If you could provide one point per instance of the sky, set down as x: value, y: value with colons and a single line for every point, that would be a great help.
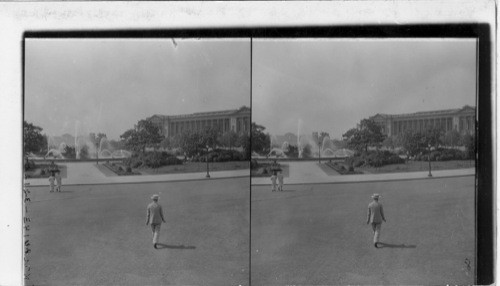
x: 78, y: 86
x: 331, y: 84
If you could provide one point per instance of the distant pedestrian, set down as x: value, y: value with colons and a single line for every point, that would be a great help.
x: 155, y: 218
x: 375, y: 217
x: 52, y: 167
x: 59, y: 181
x: 280, y: 181
x: 51, y: 181
x: 273, y: 181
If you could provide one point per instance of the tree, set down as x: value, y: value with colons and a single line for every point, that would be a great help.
x: 208, y: 138
x: 229, y: 139
x: 69, y: 152
x: 339, y: 143
x: 431, y: 138
x: 366, y: 134
x: 469, y: 142
x: 412, y: 142
x: 167, y: 143
x: 149, y: 134
x: 145, y: 134
x: 96, y: 140
x: 292, y: 152
x: 452, y: 138
x: 190, y: 142
x: 84, y: 152
x: 116, y: 145
x: 306, y: 151
x: 34, y: 141
x: 130, y: 140
x: 390, y: 142
x: 244, y: 141
x: 260, y: 140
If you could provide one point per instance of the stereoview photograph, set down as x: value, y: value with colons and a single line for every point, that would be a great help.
x: 363, y: 161
x: 136, y: 161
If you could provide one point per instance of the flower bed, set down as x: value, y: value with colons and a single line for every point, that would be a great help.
x: 121, y: 170
x: 342, y: 168
x: 220, y: 155
x: 374, y: 159
x: 151, y: 160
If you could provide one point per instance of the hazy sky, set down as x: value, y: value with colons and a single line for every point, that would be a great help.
x: 330, y: 85
x: 108, y: 85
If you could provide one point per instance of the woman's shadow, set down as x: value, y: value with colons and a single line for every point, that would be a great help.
x: 163, y: 246
x: 389, y: 245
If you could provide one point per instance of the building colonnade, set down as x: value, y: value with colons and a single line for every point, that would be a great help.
x: 460, y: 124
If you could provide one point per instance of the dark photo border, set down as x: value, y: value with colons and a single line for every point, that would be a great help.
x: 484, y: 195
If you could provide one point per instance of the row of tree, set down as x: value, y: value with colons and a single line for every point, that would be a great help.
x: 147, y: 135
x: 144, y: 135
x: 369, y: 134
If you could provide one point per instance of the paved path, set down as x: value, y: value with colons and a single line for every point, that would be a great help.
x: 308, y: 172
x: 86, y: 173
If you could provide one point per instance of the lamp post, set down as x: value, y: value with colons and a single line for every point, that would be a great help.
x: 97, y: 152
x: 429, y: 159
x: 319, y: 149
x: 206, y: 159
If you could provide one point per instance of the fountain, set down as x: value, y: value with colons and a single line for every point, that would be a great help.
x: 121, y: 154
x: 327, y: 147
x: 105, y: 154
x: 56, y: 153
x: 81, y: 140
x: 342, y: 153
x: 285, y: 146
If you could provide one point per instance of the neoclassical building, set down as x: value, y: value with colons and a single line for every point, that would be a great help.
x: 237, y: 120
x: 460, y: 119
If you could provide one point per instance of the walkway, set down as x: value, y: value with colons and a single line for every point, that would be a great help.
x: 308, y: 172
x: 86, y: 173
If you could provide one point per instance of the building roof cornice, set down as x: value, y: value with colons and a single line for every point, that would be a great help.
x: 466, y: 108
x: 229, y: 112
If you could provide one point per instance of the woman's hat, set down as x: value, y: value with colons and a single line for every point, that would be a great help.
x: 375, y: 196
x: 155, y: 197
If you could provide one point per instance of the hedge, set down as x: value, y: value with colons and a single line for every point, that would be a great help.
x: 443, y: 155
x: 151, y: 160
x: 220, y: 156
x: 374, y: 159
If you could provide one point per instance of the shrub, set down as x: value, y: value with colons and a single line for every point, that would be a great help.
x: 374, y: 159
x: 152, y: 160
x: 254, y: 164
x: 220, y: 155
x: 29, y: 164
x: 442, y: 155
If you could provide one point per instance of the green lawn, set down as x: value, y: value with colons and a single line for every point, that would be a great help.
x: 97, y: 234
x: 416, y: 166
x: 195, y: 167
x: 317, y: 234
